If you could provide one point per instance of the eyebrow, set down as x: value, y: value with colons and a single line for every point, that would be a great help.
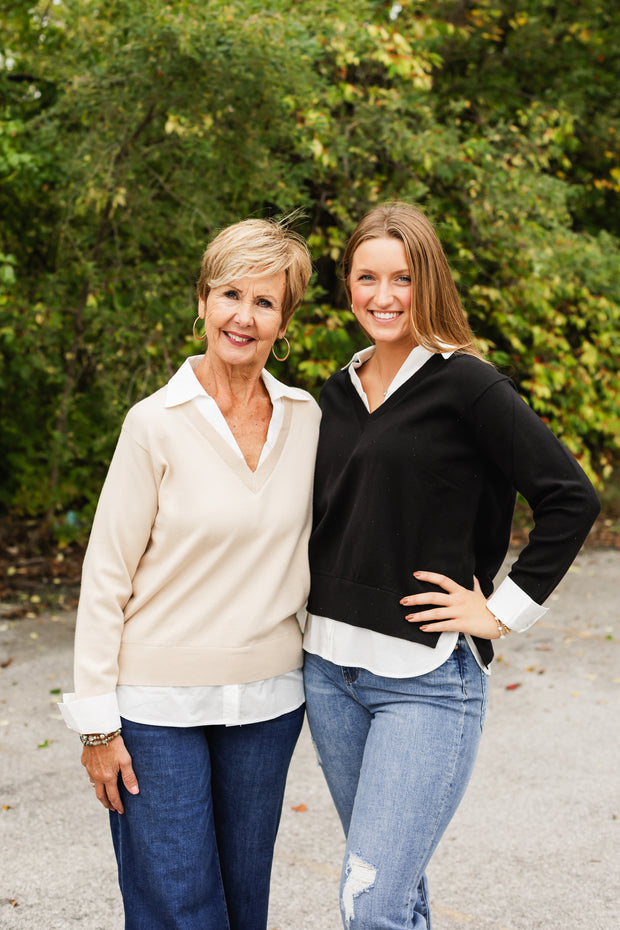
x: 235, y: 287
x: 363, y: 270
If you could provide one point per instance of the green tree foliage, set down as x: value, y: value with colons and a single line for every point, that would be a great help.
x: 131, y: 131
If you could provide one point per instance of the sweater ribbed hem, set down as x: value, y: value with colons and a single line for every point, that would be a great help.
x: 364, y: 606
x: 189, y: 666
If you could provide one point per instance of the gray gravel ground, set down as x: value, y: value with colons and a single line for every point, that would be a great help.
x: 534, y: 845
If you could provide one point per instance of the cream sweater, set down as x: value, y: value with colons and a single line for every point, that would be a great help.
x: 196, y: 565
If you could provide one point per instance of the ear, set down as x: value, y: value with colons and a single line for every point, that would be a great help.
x: 282, y: 330
x: 202, y: 308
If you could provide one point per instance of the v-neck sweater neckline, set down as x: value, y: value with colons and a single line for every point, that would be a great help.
x: 254, y: 480
x: 363, y: 414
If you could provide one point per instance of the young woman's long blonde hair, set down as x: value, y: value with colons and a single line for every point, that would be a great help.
x: 438, y: 320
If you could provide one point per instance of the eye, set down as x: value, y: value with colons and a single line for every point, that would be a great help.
x: 231, y: 294
x: 364, y: 277
x: 404, y: 279
x: 265, y: 302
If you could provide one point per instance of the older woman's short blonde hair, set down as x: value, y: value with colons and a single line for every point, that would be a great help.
x: 256, y: 249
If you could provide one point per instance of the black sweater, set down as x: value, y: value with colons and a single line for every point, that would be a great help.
x: 428, y: 482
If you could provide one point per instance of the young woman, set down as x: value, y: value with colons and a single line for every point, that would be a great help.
x: 422, y: 446
x: 188, y: 683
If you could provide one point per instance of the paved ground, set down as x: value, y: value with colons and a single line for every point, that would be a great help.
x: 534, y: 846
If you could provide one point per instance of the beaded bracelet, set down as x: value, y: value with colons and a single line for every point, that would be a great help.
x: 98, y: 739
x: 503, y: 629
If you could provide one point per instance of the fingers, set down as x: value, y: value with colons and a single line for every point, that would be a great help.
x: 444, y: 603
x: 129, y: 777
x: 104, y: 764
x: 461, y: 609
x: 441, y: 613
x: 435, y: 578
x: 445, y: 627
x: 101, y: 795
x: 427, y: 597
x: 110, y: 796
x: 438, y: 598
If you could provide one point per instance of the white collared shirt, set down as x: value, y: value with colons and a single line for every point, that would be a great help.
x: 230, y: 705
x: 383, y: 655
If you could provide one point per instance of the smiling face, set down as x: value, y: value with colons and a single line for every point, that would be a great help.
x: 380, y: 287
x: 243, y: 319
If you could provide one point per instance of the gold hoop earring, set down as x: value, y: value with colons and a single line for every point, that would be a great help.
x: 196, y: 337
x: 288, y: 351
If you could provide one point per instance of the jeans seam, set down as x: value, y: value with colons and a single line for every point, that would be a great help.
x: 455, y: 757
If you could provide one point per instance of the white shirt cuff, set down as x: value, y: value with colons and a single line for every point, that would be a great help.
x: 97, y: 714
x: 514, y: 607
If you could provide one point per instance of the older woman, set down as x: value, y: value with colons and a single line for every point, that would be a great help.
x: 188, y: 685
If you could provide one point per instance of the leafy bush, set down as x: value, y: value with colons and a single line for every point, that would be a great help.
x: 132, y: 131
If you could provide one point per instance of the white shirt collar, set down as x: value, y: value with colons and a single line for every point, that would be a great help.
x: 278, y: 389
x: 185, y: 386
x: 417, y: 356
x: 414, y: 361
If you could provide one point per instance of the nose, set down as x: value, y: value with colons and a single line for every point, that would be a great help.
x: 244, y: 313
x: 383, y: 294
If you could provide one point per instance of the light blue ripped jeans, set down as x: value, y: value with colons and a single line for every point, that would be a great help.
x: 397, y: 754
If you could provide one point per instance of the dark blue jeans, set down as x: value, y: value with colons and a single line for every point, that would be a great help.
x: 195, y: 846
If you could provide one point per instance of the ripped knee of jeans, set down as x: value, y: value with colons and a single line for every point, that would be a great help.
x: 360, y: 877
x: 316, y: 751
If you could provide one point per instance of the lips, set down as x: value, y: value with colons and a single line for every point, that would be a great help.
x: 238, y: 340
x: 385, y: 315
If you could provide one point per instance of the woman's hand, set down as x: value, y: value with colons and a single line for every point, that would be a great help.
x: 458, y: 611
x: 103, y: 764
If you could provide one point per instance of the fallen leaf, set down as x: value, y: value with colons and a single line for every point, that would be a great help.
x: 513, y: 687
x: 7, y: 663
x: 300, y: 808
x: 12, y: 902
x: 6, y: 807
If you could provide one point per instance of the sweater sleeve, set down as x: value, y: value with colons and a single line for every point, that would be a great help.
x: 563, y: 501
x: 120, y: 534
